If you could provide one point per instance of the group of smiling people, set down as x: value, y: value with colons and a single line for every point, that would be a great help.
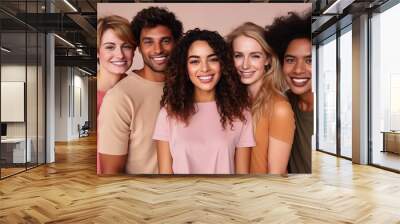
x: 202, y: 103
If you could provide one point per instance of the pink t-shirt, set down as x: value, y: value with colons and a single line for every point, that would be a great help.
x: 203, y: 146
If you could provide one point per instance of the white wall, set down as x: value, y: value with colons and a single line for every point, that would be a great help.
x: 61, y: 103
x: 16, y: 73
x: 71, y: 92
x: 82, y: 83
x: 33, y: 126
x: 80, y: 97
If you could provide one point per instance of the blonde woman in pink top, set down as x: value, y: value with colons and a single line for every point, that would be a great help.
x: 115, y: 51
x: 204, y: 126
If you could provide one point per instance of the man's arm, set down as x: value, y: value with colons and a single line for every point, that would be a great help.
x: 112, y: 164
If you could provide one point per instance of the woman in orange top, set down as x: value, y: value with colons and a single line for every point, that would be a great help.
x: 115, y: 51
x: 273, y: 118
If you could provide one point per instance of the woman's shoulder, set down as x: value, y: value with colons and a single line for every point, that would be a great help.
x: 163, y: 111
x: 166, y: 113
x: 281, y: 106
x: 279, y: 97
x: 278, y: 101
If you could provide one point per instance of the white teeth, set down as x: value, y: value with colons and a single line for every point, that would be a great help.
x: 247, y: 74
x: 118, y: 62
x: 205, y: 78
x: 163, y: 58
x: 298, y: 80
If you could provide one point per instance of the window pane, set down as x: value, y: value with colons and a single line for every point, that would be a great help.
x: 327, y: 96
x: 31, y: 97
x: 14, y: 153
x: 385, y: 86
x: 346, y: 94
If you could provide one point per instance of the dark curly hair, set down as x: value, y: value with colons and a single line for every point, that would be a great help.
x: 284, y: 29
x: 178, y: 98
x: 152, y: 17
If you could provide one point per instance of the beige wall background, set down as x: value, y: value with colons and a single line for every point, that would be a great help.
x: 221, y: 17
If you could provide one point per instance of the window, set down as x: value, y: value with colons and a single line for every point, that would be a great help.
x: 385, y: 89
x: 22, y: 67
x: 327, y: 96
x: 346, y: 92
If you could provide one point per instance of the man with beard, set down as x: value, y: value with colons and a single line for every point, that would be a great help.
x: 129, y: 111
x: 290, y: 36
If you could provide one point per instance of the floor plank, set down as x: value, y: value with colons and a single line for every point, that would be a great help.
x: 69, y: 191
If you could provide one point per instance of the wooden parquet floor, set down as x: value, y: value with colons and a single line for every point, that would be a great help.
x: 69, y: 191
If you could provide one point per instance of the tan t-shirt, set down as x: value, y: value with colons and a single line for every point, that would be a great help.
x: 126, y: 123
x: 279, y: 123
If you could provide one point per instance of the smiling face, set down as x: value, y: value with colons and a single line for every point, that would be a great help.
x: 204, y: 68
x: 250, y: 59
x: 156, y: 44
x: 297, y: 66
x: 115, y: 55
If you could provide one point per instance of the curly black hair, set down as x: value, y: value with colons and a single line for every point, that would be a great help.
x: 284, y: 29
x: 154, y: 16
x: 231, y: 97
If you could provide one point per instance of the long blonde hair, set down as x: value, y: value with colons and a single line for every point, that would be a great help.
x: 273, y: 82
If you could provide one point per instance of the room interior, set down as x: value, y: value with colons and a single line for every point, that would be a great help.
x: 48, y: 84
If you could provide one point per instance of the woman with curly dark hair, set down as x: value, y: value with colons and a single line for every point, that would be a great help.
x: 290, y: 36
x: 204, y: 126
